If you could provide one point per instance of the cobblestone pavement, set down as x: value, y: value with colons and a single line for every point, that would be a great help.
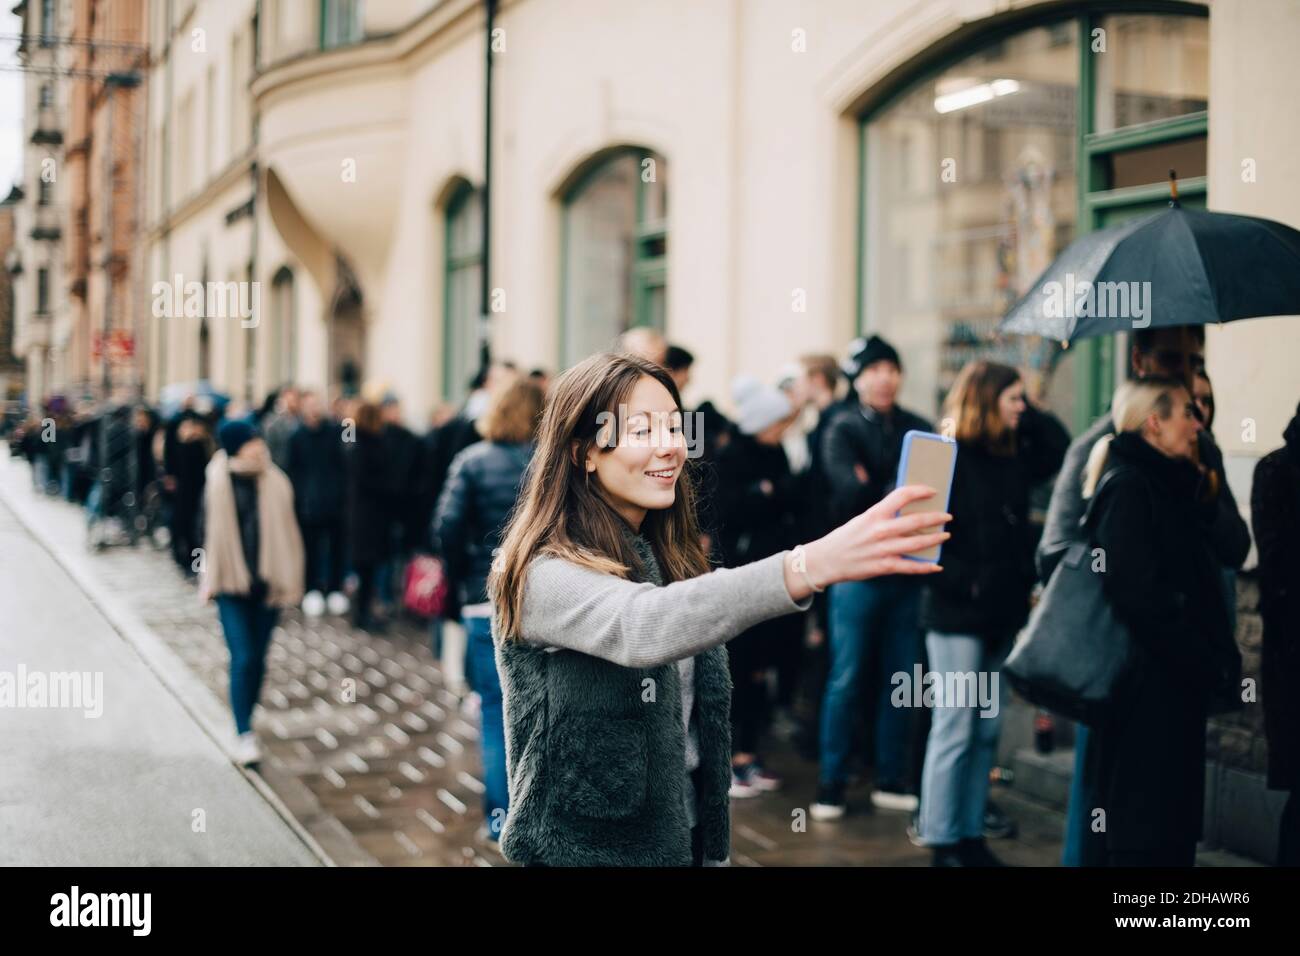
x: 396, y: 764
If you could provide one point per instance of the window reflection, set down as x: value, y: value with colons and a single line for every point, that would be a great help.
x: 971, y: 193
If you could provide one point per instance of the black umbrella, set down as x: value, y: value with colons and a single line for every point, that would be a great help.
x: 1175, y: 267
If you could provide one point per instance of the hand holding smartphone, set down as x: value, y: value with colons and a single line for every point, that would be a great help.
x: 927, y: 459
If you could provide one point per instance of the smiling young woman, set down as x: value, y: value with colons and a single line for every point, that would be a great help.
x: 609, y: 625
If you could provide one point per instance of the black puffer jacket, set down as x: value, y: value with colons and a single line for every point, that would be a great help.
x: 988, y: 563
x: 481, y: 489
x: 1275, y: 512
x: 1163, y: 581
x: 856, y: 434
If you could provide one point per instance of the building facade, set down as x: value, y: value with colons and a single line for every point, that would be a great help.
x: 12, y: 369
x: 40, y: 217
x: 201, y: 209
x: 77, y: 256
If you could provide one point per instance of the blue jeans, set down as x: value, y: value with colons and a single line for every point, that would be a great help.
x: 963, y: 742
x: 481, y: 672
x: 247, y: 625
x: 883, y: 611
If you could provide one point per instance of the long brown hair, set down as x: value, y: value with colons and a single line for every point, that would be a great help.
x: 972, y: 404
x: 561, y: 512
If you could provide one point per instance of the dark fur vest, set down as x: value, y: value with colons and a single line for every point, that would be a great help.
x: 596, y: 755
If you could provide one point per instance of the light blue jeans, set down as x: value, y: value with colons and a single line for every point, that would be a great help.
x: 963, y: 742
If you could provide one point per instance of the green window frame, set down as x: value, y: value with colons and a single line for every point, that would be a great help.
x: 648, y: 271
x: 1097, y: 356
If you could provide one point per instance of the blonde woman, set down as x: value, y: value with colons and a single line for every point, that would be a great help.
x: 608, y: 625
x: 1151, y: 520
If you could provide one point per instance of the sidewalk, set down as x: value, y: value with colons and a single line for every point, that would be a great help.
x: 141, y: 784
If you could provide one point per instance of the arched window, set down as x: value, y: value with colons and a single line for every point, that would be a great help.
x: 976, y: 174
x: 615, y: 245
x: 284, y: 329
x: 462, y: 275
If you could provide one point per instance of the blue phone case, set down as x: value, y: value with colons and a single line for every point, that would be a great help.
x: 902, y: 474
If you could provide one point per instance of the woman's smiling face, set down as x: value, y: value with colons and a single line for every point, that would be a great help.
x: 640, y: 472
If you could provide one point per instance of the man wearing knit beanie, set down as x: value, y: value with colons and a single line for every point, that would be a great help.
x: 860, y: 449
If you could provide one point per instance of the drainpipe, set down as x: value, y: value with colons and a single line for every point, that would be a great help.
x: 165, y: 212
x: 485, y: 283
x: 250, y: 388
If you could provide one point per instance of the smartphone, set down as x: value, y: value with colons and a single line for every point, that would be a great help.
x: 927, y: 459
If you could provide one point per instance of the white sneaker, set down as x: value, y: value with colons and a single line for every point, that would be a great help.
x: 892, y: 800
x: 338, y: 603
x: 741, y: 788
x: 247, y: 750
x: 313, y: 604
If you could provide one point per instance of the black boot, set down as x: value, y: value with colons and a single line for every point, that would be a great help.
x: 948, y: 855
x: 976, y: 853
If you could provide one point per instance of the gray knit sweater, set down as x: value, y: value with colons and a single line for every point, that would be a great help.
x: 641, y: 625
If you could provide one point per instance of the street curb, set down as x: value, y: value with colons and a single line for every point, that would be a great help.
x: 190, y: 692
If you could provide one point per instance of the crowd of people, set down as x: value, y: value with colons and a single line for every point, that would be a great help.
x: 324, y: 505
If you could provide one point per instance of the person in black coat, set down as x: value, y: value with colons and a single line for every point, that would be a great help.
x: 317, y: 467
x: 1275, y: 514
x: 369, y: 541
x: 189, y: 460
x: 973, y: 609
x: 756, y: 503
x: 405, y: 456
x: 477, y: 498
x: 1151, y: 521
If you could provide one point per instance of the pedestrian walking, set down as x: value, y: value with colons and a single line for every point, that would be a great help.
x: 253, y: 562
x: 609, y: 627
x: 861, y: 447
x: 1151, y: 521
x: 972, y: 611
x: 1275, y: 514
x: 481, y: 489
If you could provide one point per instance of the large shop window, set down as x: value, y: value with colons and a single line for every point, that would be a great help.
x: 973, y: 182
x: 462, y: 271
x: 615, y: 252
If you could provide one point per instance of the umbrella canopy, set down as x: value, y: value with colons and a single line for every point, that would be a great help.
x: 1176, y: 267
x: 171, y: 397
